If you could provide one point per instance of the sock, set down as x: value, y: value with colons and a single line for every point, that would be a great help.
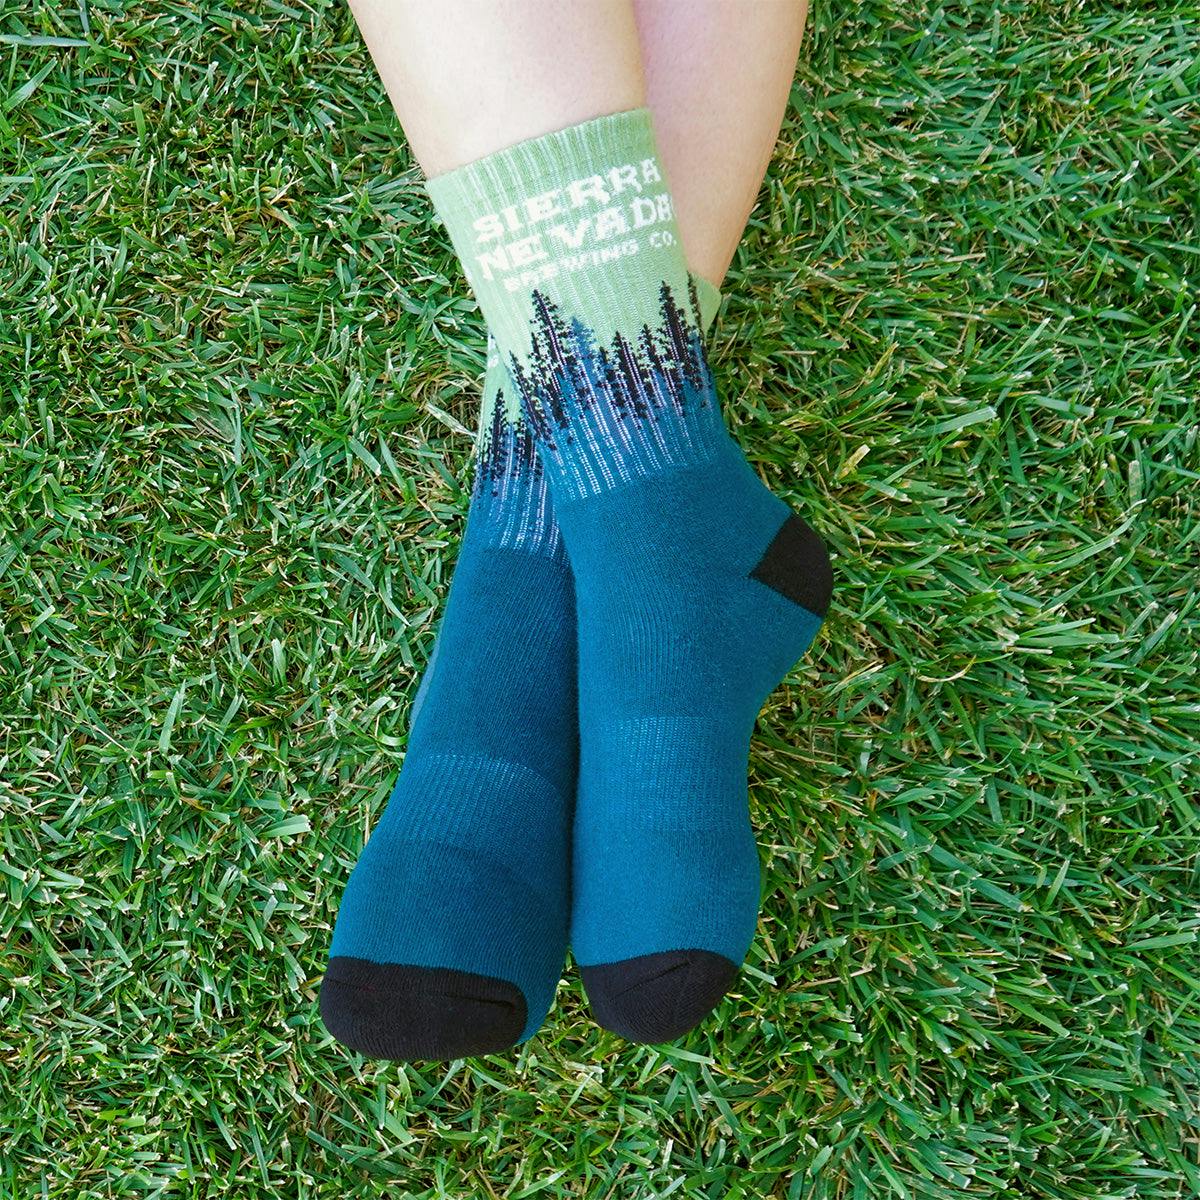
x: 452, y: 930
x: 696, y: 588
x: 374, y: 999
x: 528, y: 510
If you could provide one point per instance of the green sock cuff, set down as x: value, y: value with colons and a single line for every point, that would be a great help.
x: 505, y: 208
x: 549, y: 216
x: 708, y: 299
x: 541, y: 164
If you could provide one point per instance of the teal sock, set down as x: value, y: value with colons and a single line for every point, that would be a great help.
x: 696, y: 588
x: 452, y: 931
x: 523, y: 516
x: 402, y: 987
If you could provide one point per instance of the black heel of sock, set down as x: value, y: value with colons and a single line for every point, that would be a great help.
x: 796, y: 565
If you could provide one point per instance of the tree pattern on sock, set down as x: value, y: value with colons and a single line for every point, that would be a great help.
x: 579, y: 394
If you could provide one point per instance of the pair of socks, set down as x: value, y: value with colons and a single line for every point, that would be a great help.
x: 626, y: 596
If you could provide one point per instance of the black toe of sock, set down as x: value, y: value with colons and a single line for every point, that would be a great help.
x: 658, y: 997
x: 387, y: 1010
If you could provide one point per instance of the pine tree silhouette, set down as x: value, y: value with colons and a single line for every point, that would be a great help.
x: 551, y: 358
x: 568, y: 374
x: 588, y: 379
x: 531, y: 403
x: 525, y: 460
x: 634, y: 384
x: 693, y: 295
x: 607, y: 371
x: 663, y: 372
x: 507, y: 451
x: 675, y: 328
x: 489, y: 466
x: 697, y: 342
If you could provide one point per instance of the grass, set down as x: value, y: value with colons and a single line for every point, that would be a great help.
x: 237, y: 368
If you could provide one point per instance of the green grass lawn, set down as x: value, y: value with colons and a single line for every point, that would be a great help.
x: 238, y: 370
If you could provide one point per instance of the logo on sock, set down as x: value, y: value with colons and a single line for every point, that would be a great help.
x: 592, y: 220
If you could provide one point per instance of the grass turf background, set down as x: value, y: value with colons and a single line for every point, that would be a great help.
x: 237, y: 372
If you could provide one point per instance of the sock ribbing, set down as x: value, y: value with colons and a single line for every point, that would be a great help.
x: 510, y: 502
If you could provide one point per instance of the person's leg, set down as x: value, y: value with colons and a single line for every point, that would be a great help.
x: 450, y: 943
x: 718, y: 75
x: 452, y: 148
x: 452, y: 931
x: 511, y: 564
x: 696, y: 589
x: 469, y: 77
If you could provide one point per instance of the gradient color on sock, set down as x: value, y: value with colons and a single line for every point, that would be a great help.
x: 696, y: 588
x: 509, y: 469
